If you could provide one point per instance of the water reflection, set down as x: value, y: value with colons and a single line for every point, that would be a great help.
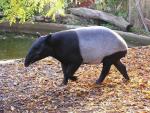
x: 14, y: 46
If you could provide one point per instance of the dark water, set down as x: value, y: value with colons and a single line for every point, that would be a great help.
x: 14, y: 46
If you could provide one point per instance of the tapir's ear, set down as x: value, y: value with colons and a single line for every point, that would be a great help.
x: 48, y: 38
x: 38, y: 34
x: 49, y: 35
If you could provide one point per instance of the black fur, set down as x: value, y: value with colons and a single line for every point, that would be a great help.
x: 69, y: 70
x: 66, y: 47
x: 40, y: 49
x: 113, y: 59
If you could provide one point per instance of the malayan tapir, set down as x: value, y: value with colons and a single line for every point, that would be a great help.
x: 86, y: 45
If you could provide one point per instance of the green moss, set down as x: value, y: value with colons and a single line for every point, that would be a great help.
x: 139, y: 31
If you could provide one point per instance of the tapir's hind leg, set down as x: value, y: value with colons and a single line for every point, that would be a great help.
x: 113, y: 59
x: 69, y: 70
x: 122, y: 69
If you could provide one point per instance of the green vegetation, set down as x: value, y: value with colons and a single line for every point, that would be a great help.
x: 22, y: 10
x: 139, y: 31
x: 117, y: 7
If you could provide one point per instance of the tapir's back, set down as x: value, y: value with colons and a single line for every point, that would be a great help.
x: 97, y: 42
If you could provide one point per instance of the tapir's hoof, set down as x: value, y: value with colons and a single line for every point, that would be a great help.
x: 62, y: 85
x: 65, y: 82
x: 125, y: 80
x: 98, y: 82
x: 73, y: 78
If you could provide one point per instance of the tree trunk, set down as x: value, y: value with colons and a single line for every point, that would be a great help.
x: 147, y: 21
x: 95, y: 14
x: 134, y: 17
x: 141, y: 14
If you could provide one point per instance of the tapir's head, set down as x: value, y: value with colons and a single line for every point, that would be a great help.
x: 40, y: 49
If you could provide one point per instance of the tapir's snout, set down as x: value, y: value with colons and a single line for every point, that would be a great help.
x: 28, y: 60
x: 26, y: 64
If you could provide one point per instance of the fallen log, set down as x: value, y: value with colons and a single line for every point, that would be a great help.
x: 95, y: 14
x: 134, y: 39
x: 28, y: 27
x: 33, y: 28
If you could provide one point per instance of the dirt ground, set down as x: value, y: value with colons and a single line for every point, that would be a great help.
x: 37, y: 89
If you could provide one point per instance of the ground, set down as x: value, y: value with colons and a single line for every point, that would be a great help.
x: 37, y: 89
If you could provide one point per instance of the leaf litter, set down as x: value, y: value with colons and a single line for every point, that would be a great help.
x: 37, y: 89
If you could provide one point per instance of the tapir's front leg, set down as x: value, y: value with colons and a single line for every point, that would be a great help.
x: 68, y: 71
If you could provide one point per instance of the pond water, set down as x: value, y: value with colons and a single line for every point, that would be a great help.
x: 13, y: 46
